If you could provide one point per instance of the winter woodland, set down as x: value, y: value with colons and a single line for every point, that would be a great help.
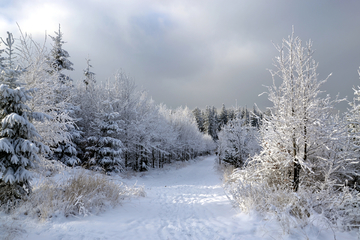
x: 297, y: 161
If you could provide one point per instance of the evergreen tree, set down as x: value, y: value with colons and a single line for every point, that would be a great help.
x: 211, y: 122
x: 55, y: 129
x: 59, y: 59
x: 231, y: 114
x: 19, y: 143
x: 255, y: 118
x: 89, y: 77
x: 104, y: 151
x: 199, y: 119
x: 223, y: 118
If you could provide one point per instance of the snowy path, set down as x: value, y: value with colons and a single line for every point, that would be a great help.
x: 187, y: 203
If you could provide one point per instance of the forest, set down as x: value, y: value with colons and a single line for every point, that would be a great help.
x: 296, y: 160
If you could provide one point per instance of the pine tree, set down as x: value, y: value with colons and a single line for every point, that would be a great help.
x: 59, y: 59
x: 64, y: 151
x: 231, y: 114
x: 19, y: 143
x: 211, y: 122
x: 199, y: 119
x: 55, y: 129
x: 104, y: 151
x: 223, y: 118
x: 89, y: 77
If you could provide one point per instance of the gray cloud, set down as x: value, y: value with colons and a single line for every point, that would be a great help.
x: 196, y: 53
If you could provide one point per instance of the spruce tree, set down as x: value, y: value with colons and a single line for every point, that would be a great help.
x: 223, y: 118
x: 89, y: 77
x: 199, y: 119
x: 59, y: 59
x: 211, y: 122
x: 64, y: 151
x: 104, y: 151
x: 19, y: 143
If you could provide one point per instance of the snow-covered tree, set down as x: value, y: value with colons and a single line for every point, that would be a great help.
x: 58, y: 61
x: 304, y: 164
x: 19, y: 145
x: 353, y: 124
x: 223, y: 117
x: 104, y: 151
x: 89, y: 77
x: 237, y: 143
x: 211, y: 122
x: 293, y: 134
x: 198, y: 114
x: 33, y: 56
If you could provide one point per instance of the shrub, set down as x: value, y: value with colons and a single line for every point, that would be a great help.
x: 80, y: 195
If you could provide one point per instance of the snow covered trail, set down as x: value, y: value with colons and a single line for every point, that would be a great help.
x: 186, y: 203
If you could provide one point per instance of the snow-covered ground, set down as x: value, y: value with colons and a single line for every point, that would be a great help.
x: 184, y: 201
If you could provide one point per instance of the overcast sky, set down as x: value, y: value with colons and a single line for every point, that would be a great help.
x: 196, y: 52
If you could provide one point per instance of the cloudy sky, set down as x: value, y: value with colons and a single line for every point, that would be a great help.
x: 196, y: 52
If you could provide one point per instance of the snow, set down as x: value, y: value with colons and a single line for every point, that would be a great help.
x: 184, y: 201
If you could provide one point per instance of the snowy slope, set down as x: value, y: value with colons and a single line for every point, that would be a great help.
x: 184, y: 203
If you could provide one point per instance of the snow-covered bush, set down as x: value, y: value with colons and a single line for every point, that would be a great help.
x: 82, y: 194
x: 332, y: 207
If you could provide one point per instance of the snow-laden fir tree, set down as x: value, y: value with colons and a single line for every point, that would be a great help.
x: 211, y: 122
x: 34, y: 56
x: 223, y: 117
x: 89, y: 77
x: 58, y: 61
x: 19, y: 143
x: 103, y: 147
x: 198, y: 114
x: 104, y: 151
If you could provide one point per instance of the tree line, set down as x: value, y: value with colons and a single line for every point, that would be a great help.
x: 109, y: 127
x: 210, y: 122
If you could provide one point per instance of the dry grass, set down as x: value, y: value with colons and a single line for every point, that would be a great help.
x: 83, y: 194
